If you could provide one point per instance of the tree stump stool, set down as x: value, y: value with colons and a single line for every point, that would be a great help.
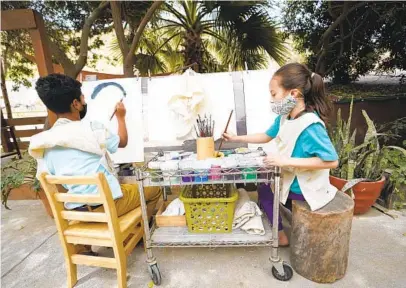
x: 320, y: 239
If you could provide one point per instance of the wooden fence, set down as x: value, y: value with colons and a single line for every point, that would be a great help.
x: 21, y: 131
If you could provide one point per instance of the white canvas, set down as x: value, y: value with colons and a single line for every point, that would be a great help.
x: 219, y: 101
x: 103, y: 106
x: 257, y: 99
x: 161, y: 129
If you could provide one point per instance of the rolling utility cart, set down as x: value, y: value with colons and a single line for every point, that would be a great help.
x: 180, y: 237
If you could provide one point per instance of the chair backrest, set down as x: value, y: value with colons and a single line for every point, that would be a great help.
x: 57, y: 199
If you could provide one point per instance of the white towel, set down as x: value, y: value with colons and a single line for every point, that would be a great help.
x: 82, y: 135
x: 175, y: 208
x: 247, y: 215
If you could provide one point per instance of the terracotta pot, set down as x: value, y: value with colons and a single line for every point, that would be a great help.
x: 45, y: 202
x: 23, y: 192
x: 365, y: 193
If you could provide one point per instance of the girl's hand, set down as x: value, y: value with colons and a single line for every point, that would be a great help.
x: 229, y: 137
x: 276, y: 160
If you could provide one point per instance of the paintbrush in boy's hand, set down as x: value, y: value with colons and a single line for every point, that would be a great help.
x: 114, y: 113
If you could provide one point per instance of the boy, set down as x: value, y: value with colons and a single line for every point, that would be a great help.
x: 74, y: 147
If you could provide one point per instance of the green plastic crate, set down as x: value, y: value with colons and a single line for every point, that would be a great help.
x: 209, y: 215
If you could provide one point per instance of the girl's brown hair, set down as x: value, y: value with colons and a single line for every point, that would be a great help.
x: 298, y: 76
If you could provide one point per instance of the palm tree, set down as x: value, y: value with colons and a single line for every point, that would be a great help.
x: 232, y: 32
x: 156, y: 53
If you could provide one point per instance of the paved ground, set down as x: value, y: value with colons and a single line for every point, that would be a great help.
x: 31, y: 257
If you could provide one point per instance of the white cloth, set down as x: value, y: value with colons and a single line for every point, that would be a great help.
x: 175, y: 208
x: 81, y: 135
x: 315, y: 184
x: 247, y: 215
x: 186, y: 103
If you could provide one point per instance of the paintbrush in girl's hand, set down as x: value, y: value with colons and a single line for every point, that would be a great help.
x: 225, y: 130
x: 114, y: 113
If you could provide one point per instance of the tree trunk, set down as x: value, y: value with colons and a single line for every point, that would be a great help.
x: 193, y: 51
x: 128, y: 69
x: 321, y: 239
x: 5, y: 94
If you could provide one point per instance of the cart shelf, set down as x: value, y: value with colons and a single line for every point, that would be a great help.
x: 181, y: 237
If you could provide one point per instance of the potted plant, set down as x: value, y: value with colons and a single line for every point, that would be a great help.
x: 394, y: 191
x: 18, y: 173
x: 361, y: 168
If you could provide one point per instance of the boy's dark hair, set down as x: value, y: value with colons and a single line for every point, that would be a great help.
x: 298, y: 76
x: 57, y: 92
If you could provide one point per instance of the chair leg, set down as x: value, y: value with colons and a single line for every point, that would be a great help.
x: 71, y: 270
x: 122, y: 272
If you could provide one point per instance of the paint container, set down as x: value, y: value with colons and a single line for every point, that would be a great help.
x: 249, y: 173
x: 186, y: 166
x: 232, y: 174
x: 215, y: 172
x: 169, y: 172
x: 247, y: 162
x: 201, y: 176
x: 227, y: 152
x: 230, y: 170
x: 205, y: 148
x: 265, y: 173
x: 155, y: 175
x: 188, y: 176
x: 154, y: 165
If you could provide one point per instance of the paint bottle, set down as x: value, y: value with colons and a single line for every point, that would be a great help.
x: 215, y: 172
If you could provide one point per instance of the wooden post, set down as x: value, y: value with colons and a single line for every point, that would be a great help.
x: 32, y: 20
x: 43, y: 56
x: 320, y: 239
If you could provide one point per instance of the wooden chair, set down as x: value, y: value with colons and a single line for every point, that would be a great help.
x: 92, y: 228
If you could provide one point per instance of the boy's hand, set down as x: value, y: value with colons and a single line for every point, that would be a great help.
x: 276, y: 160
x: 120, y: 110
x: 229, y: 137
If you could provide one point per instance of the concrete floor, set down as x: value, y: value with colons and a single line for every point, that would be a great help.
x: 32, y: 257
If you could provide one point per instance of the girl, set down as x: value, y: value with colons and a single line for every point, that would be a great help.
x: 301, y: 145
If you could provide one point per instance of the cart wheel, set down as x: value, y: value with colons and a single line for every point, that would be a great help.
x: 288, y: 272
x: 155, y: 274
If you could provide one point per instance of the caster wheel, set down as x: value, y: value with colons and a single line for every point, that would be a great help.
x: 155, y: 274
x: 288, y: 273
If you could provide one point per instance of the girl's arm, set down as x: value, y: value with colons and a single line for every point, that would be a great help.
x: 258, y: 138
x: 313, y: 163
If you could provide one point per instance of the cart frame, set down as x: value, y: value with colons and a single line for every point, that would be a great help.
x: 281, y: 270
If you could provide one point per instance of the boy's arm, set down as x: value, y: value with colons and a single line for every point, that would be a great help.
x: 122, y: 127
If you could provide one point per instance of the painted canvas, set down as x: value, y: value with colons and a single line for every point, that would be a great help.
x: 213, y: 94
x: 102, y: 97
